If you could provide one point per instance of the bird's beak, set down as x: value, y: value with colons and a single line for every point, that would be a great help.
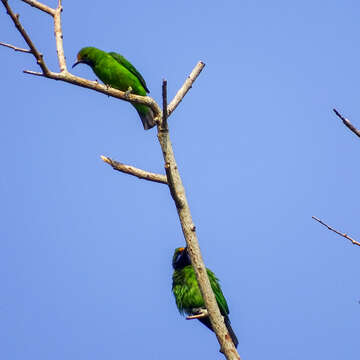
x: 77, y: 62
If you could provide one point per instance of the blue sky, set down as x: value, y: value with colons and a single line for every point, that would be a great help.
x: 85, y: 252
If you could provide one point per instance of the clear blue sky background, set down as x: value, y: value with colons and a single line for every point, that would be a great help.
x: 85, y: 252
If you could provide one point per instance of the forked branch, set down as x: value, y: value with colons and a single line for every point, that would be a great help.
x: 38, y: 56
x: 64, y: 75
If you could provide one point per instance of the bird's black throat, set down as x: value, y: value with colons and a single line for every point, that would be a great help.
x: 181, y: 260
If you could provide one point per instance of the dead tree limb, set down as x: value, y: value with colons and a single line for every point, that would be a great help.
x: 172, y: 173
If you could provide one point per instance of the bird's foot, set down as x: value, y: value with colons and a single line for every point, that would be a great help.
x: 107, y: 88
x: 128, y: 91
x: 198, y: 314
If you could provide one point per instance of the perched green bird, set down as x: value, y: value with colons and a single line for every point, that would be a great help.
x: 114, y: 70
x: 187, y: 293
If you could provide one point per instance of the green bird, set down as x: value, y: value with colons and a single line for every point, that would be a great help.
x: 187, y: 292
x: 114, y: 70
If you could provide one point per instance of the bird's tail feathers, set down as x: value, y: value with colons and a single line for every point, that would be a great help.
x: 206, y: 322
x: 147, y: 118
x: 231, y: 332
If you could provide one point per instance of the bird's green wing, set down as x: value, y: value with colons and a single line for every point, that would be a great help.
x: 214, y: 281
x: 126, y: 64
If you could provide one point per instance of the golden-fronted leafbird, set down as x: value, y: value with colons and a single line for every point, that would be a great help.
x: 114, y: 70
x: 187, y: 292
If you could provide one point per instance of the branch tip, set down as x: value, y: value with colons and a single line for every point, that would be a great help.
x: 347, y: 123
x: 185, y: 87
x: 105, y: 159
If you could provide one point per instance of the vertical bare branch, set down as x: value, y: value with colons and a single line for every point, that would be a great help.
x: 56, y: 14
x: 59, y: 38
x: 165, y: 111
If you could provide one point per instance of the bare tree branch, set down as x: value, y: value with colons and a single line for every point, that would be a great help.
x: 41, y: 6
x: 59, y: 37
x: 56, y: 14
x: 347, y: 123
x: 35, y: 52
x: 178, y: 201
x: 337, y: 232
x: 131, y: 170
x: 15, y: 48
x: 185, y: 88
x: 173, y: 177
x: 36, y: 73
x: 104, y: 89
x: 177, y: 192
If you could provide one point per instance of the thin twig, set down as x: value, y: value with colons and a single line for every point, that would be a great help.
x: 15, y: 48
x: 36, y: 73
x: 185, y: 88
x: 337, y: 232
x: 131, y: 170
x: 347, y: 123
x: 41, y: 6
x: 164, y: 126
x: 35, y: 52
